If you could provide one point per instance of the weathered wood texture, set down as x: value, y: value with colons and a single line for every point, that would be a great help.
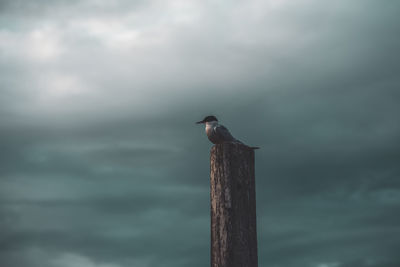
x: 233, y: 206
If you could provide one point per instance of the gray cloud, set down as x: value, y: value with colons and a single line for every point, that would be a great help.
x: 102, y: 165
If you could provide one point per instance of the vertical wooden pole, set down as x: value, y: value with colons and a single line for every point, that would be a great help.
x: 233, y: 206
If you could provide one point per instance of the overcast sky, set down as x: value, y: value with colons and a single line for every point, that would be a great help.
x: 101, y: 164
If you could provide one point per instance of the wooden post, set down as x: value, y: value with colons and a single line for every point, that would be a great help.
x: 233, y: 206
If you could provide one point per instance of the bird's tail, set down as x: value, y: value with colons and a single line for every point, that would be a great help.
x: 254, y: 147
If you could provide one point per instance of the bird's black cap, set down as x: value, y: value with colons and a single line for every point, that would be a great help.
x: 208, y: 119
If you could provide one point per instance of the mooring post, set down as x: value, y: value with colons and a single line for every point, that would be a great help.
x: 233, y: 206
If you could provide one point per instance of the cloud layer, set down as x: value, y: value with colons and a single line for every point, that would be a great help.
x: 102, y: 165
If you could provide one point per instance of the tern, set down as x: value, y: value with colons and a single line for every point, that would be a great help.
x: 218, y: 133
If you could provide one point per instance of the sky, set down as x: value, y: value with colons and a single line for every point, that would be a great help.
x: 101, y: 164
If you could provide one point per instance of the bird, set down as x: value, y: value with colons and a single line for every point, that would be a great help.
x: 218, y: 133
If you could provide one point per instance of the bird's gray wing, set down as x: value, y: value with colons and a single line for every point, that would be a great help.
x: 224, y: 135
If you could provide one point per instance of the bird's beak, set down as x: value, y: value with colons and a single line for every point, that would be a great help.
x: 199, y: 122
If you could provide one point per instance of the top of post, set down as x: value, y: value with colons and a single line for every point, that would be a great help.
x: 231, y: 146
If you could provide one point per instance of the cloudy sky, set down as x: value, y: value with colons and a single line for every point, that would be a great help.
x: 101, y: 164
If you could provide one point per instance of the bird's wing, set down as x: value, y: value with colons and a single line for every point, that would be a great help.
x: 223, y: 134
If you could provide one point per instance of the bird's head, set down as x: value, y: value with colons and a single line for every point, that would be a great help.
x: 208, y: 119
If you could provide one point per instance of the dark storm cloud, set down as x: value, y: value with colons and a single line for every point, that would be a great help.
x: 102, y: 165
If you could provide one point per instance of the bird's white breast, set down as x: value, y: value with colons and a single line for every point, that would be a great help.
x: 210, y: 127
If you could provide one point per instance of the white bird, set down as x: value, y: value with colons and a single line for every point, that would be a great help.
x: 218, y: 133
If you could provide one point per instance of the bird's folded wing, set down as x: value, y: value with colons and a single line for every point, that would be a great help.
x: 223, y: 134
